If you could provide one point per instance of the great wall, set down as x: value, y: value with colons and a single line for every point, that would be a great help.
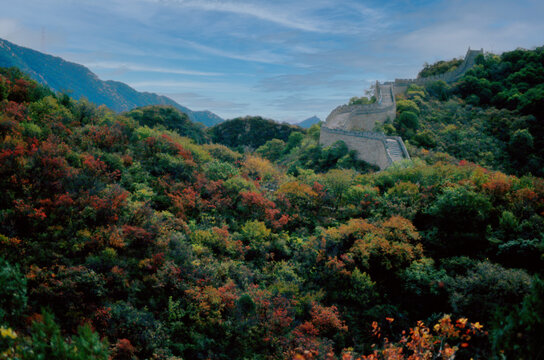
x: 354, y: 124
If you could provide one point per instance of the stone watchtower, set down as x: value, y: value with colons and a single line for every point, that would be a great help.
x: 354, y: 124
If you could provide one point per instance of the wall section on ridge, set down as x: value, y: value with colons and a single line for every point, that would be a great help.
x: 365, y: 117
x: 470, y: 60
x: 353, y: 124
x: 370, y: 147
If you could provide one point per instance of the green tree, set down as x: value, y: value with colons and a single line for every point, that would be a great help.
x: 272, y: 149
x: 521, y: 143
x: 407, y: 105
x: 13, y: 292
x: 47, y: 342
x: 461, y: 216
x: 439, y: 89
x: 519, y: 334
x: 408, y: 120
x: 337, y: 182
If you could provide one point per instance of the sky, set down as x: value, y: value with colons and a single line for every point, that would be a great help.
x: 285, y: 60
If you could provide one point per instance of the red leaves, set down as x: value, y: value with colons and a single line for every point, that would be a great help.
x: 123, y: 350
x: 165, y: 143
x: 16, y: 111
x: 59, y: 201
x: 108, y: 203
x: 498, y: 184
x: 257, y: 206
x: 107, y: 136
x: 180, y: 150
x: 307, y: 329
x: 327, y: 318
x: 96, y: 166
x: 423, y: 343
x: 183, y: 201
x: 256, y: 201
x: 211, y: 303
x: 29, y: 210
x: 311, y: 336
x: 101, y: 317
x: 136, y: 235
x: 280, y: 319
x: 19, y: 90
x: 11, y: 154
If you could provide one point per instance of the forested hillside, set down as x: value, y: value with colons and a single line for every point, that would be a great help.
x: 492, y: 116
x: 131, y: 236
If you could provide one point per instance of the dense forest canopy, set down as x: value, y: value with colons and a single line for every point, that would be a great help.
x: 132, y: 237
x: 250, y: 132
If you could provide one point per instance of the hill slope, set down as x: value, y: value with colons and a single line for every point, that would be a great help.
x: 79, y: 81
x: 170, y: 249
x: 493, y: 115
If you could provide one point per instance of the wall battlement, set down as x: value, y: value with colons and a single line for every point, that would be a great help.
x: 354, y: 124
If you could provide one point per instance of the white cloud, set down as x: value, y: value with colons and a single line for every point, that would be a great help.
x: 266, y: 13
x: 496, y: 26
x: 175, y: 86
x: 309, y: 16
x: 262, y: 56
x: 135, y: 67
x: 197, y: 101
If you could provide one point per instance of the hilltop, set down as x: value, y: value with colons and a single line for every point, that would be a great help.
x: 78, y: 81
x: 250, y: 131
x: 305, y: 124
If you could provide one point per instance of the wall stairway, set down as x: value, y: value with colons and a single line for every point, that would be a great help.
x: 394, y: 150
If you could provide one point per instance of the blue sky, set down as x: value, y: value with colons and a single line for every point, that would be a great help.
x: 285, y: 60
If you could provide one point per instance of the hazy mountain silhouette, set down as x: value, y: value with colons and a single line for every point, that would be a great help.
x: 308, y: 122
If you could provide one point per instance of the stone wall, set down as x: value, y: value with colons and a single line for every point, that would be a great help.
x: 365, y: 117
x: 449, y: 77
x: 353, y: 124
x: 370, y: 147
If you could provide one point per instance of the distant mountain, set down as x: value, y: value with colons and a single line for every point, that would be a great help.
x: 308, y: 122
x: 79, y: 81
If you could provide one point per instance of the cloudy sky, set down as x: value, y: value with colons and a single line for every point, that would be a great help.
x: 285, y: 60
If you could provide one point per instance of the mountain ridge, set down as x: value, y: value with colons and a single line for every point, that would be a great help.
x: 79, y: 81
